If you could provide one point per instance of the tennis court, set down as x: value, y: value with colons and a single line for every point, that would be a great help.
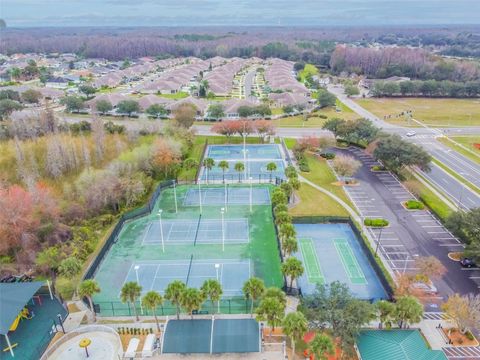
x: 244, y: 246
x: 255, y: 159
x: 201, y: 231
x: 234, y: 195
x: 332, y: 252
x: 156, y: 275
x: 211, y: 336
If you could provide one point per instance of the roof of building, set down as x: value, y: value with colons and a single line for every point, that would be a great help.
x: 13, y: 297
x: 395, y: 345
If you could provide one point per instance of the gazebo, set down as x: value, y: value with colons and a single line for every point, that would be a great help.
x: 13, y: 298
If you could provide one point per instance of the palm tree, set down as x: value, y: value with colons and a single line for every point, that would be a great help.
x: 253, y: 289
x: 192, y: 299
x: 322, y: 345
x: 151, y: 300
x: 385, y: 311
x: 212, y: 290
x: 190, y: 163
x: 208, y: 163
x: 88, y: 288
x: 239, y: 167
x: 408, y: 310
x: 289, y: 246
x: 224, y: 166
x: 293, y: 268
x: 295, y: 325
x: 130, y: 293
x: 271, y: 166
x: 275, y: 292
x: 173, y: 293
x: 286, y: 230
x: 282, y: 218
x: 272, y: 311
x: 280, y: 208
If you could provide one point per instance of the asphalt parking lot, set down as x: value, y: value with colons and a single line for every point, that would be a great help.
x: 410, y: 233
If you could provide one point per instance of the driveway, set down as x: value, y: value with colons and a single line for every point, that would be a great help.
x: 410, y: 233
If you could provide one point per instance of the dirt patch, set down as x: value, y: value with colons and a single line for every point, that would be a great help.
x: 459, y: 339
x: 343, y: 183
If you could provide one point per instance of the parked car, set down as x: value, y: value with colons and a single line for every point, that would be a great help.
x: 411, y: 133
x: 467, y: 262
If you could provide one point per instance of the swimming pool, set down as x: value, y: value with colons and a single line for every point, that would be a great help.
x: 332, y: 252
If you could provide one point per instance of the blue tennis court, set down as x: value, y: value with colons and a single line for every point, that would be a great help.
x: 332, y: 252
x: 255, y: 159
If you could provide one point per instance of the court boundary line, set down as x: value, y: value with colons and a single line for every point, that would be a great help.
x: 314, y: 252
x: 345, y: 267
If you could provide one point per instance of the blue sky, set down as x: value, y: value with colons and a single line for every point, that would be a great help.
x: 27, y: 13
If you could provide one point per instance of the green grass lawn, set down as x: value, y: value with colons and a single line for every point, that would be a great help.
x: 312, y: 201
x: 315, y: 120
x: 466, y: 141
x: 437, y: 112
x: 177, y: 96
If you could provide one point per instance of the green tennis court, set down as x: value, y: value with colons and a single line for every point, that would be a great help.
x: 244, y: 246
x: 349, y: 262
x: 312, y: 265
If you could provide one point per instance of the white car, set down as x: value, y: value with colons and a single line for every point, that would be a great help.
x: 411, y: 133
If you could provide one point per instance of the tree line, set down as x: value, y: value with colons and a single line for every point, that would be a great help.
x: 427, y: 88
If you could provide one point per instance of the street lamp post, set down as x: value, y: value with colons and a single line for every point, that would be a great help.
x: 223, y: 229
x: 225, y: 196
x: 379, y: 237
x: 161, y: 229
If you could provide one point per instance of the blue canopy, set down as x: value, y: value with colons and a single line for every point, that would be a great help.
x: 13, y: 297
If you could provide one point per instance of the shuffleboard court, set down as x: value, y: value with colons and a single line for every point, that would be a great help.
x: 199, y: 231
x: 156, y: 275
x: 215, y: 196
x: 349, y: 261
x: 312, y: 265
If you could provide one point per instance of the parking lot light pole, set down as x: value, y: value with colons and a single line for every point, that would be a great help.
x: 379, y: 237
x: 223, y: 229
x: 161, y: 228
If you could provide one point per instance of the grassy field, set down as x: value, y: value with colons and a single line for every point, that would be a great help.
x: 438, y: 112
x: 466, y: 141
x: 316, y: 121
x: 312, y: 201
x: 176, y: 96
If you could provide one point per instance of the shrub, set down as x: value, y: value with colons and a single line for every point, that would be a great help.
x: 322, y: 116
x: 376, y: 222
x: 328, y: 155
x: 378, y: 168
x: 303, y: 165
x: 414, y: 205
x: 469, y: 336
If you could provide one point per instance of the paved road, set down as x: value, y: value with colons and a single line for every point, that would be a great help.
x: 248, y: 83
x: 426, y: 137
x: 409, y: 233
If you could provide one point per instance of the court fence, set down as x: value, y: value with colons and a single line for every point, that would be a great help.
x: 129, y: 215
x: 227, y: 306
x: 287, y: 153
x: 240, y: 179
x: 374, y: 262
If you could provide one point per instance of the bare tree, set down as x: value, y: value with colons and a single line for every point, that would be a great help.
x: 98, y: 134
x: 345, y: 166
